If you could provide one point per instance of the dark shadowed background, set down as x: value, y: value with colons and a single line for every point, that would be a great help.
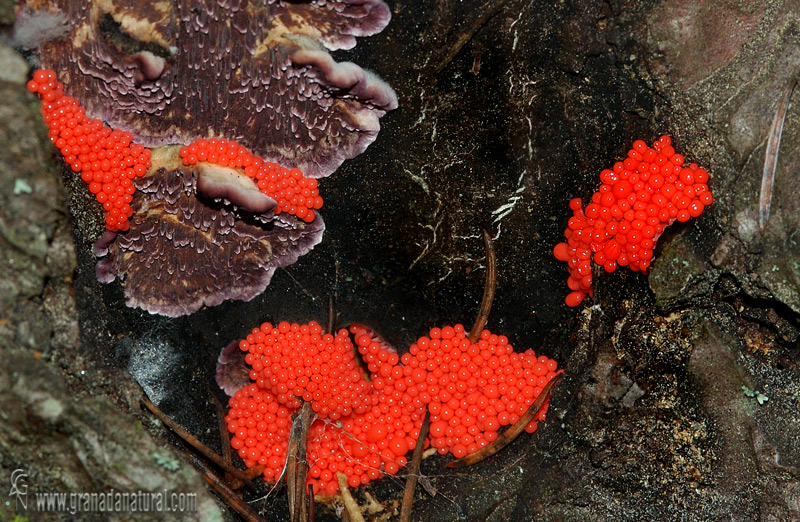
x: 508, y: 109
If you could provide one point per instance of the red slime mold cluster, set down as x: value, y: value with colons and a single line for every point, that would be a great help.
x: 107, y: 159
x: 294, y: 193
x: 365, y: 427
x: 637, y: 200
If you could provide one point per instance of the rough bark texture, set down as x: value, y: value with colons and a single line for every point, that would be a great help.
x: 69, y: 421
x: 507, y: 110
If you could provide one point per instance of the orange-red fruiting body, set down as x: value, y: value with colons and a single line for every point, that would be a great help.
x: 108, y: 160
x: 637, y: 199
x: 365, y: 427
x: 294, y: 193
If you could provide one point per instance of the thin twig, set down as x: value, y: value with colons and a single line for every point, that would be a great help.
x: 297, y: 463
x: 224, y: 437
x: 301, y: 495
x: 508, y: 436
x: 227, y: 494
x: 350, y: 504
x: 771, y: 157
x: 413, y: 469
x: 200, y: 447
x: 310, y: 504
x: 489, y: 288
x: 331, y: 322
x: 487, y: 12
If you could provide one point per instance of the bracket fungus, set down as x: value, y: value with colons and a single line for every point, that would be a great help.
x: 637, y: 200
x: 185, y: 250
x: 256, y: 73
x: 366, y: 427
x: 197, y: 230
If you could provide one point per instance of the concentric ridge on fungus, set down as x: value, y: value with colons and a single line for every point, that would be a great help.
x: 365, y: 428
x: 637, y: 200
